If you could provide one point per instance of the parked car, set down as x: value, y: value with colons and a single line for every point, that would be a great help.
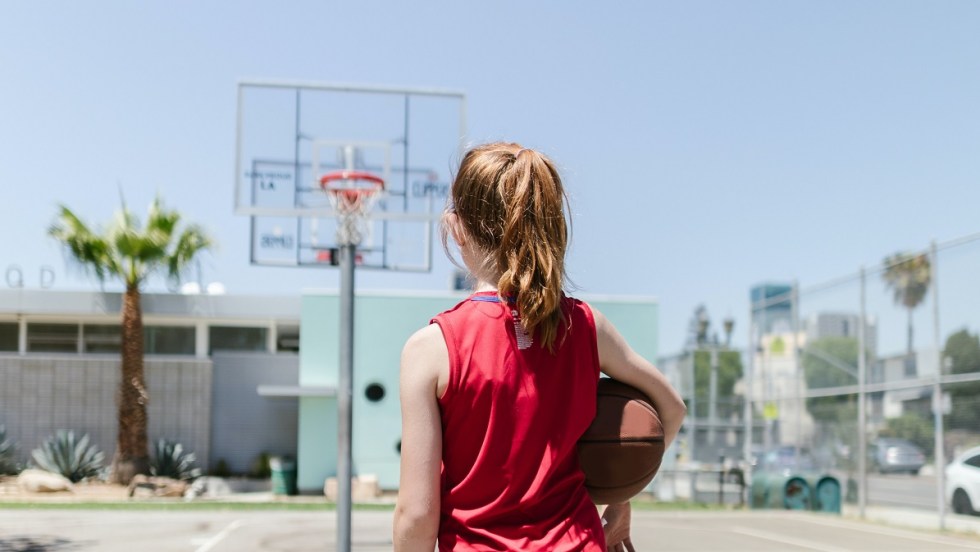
x: 963, y: 482
x: 891, y: 455
x: 784, y: 459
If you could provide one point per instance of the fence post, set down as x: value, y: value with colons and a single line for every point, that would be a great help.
x: 862, y: 401
x: 937, y: 390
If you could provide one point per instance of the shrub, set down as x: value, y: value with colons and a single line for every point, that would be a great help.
x: 170, y: 460
x: 260, y: 467
x: 221, y: 469
x: 8, y: 462
x: 73, y: 458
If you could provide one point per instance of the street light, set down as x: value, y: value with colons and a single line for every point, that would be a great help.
x: 711, y: 344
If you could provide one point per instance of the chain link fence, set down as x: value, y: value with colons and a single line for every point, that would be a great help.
x: 877, y: 372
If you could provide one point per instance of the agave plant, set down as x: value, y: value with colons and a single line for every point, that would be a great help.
x: 170, y: 460
x: 73, y: 458
x: 8, y: 463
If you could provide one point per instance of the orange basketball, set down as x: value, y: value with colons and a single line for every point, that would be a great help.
x: 622, y: 449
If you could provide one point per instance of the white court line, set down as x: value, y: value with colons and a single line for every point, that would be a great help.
x: 786, y: 540
x: 938, y: 539
x: 213, y: 541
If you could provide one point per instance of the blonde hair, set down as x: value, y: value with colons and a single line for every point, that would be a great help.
x: 511, y: 204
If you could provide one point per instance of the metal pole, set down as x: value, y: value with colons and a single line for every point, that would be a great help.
x: 693, y: 413
x: 713, y: 396
x: 749, y: 394
x: 344, y: 395
x: 862, y: 404
x: 800, y: 376
x: 937, y: 390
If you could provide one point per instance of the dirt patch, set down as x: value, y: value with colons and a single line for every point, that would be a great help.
x: 89, y: 491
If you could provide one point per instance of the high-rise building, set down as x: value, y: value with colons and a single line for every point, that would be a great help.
x: 772, y: 309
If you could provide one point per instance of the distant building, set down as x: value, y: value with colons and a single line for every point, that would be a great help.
x: 837, y: 324
x: 772, y: 308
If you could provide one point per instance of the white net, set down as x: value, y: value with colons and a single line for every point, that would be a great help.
x: 352, y: 195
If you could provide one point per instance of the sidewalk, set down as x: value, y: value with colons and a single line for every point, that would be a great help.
x: 911, y: 518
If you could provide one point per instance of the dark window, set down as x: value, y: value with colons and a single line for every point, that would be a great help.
x: 287, y: 339
x: 169, y: 340
x: 101, y: 338
x: 235, y: 338
x: 973, y: 461
x: 52, y: 338
x: 9, y: 333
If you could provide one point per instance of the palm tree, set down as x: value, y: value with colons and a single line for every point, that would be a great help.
x: 909, y: 276
x: 131, y: 253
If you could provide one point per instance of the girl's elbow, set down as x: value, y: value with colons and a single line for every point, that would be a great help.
x: 415, y: 529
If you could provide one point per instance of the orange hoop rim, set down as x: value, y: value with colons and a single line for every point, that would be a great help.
x: 359, y: 176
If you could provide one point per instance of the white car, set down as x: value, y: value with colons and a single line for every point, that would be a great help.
x: 963, y: 482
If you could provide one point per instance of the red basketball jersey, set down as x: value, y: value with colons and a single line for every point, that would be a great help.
x: 511, y: 416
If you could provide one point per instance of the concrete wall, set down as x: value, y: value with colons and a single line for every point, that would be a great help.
x: 42, y: 394
x: 244, y: 424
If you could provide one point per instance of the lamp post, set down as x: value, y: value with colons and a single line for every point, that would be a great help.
x: 713, y: 346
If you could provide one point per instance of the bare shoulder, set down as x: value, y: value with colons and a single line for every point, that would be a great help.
x: 423, y: 342
x: 425, y: 359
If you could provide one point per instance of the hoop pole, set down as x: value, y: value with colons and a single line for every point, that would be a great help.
x: 344, y: 396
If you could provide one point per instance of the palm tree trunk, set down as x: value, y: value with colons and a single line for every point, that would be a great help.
x: 131, y: 455
x: 910, y: 368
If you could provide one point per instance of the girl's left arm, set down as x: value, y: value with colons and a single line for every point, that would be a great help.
x: 416, y: 523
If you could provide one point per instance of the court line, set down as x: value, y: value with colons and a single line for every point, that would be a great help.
x: 787, y: 540
x: 899, y: 533
x: 213, y: 541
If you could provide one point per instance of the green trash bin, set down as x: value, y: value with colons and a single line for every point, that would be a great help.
x: 780, y: 491
x: 759, y: 490
x: 283, y: 475
x: 796, y: 493
x: 826, y: 493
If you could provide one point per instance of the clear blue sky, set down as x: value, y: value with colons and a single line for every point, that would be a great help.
x: 707, y: 146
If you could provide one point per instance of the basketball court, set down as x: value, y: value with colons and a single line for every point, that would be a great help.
x: 250, y: 531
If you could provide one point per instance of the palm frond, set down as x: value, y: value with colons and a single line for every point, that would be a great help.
x: 192, y: 241
x: 909, y: 276
x: 90, y: 250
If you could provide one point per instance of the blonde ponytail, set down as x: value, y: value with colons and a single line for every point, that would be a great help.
x: 511, y: 202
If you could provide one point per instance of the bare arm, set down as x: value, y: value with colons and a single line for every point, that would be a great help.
x: 619, y: 361
x: 416, y: 524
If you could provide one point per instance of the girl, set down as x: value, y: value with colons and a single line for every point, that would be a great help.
x: 497, y: 391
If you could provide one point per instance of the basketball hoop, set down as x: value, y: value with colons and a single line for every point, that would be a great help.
x: 352, y: 194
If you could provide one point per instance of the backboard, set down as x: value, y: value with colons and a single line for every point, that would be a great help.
x: 290, y: 134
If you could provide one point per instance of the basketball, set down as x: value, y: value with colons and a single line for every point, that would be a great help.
x: 621, y: 451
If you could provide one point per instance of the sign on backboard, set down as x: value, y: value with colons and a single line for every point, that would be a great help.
x: 290, y: 134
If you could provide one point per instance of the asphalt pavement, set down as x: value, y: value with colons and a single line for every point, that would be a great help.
x: 300, y: 531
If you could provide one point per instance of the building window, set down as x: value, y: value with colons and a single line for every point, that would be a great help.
x: 101, y: 338
x: 52, y: 338
x: 169, y: 340
x: 9, y: 332
x: 237, y: 338
x: 287, y: 339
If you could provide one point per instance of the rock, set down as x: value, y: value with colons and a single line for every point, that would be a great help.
x: 364, y: 488
x: 157, y: 486
x: 209, y: 487
x: 40, y: 481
